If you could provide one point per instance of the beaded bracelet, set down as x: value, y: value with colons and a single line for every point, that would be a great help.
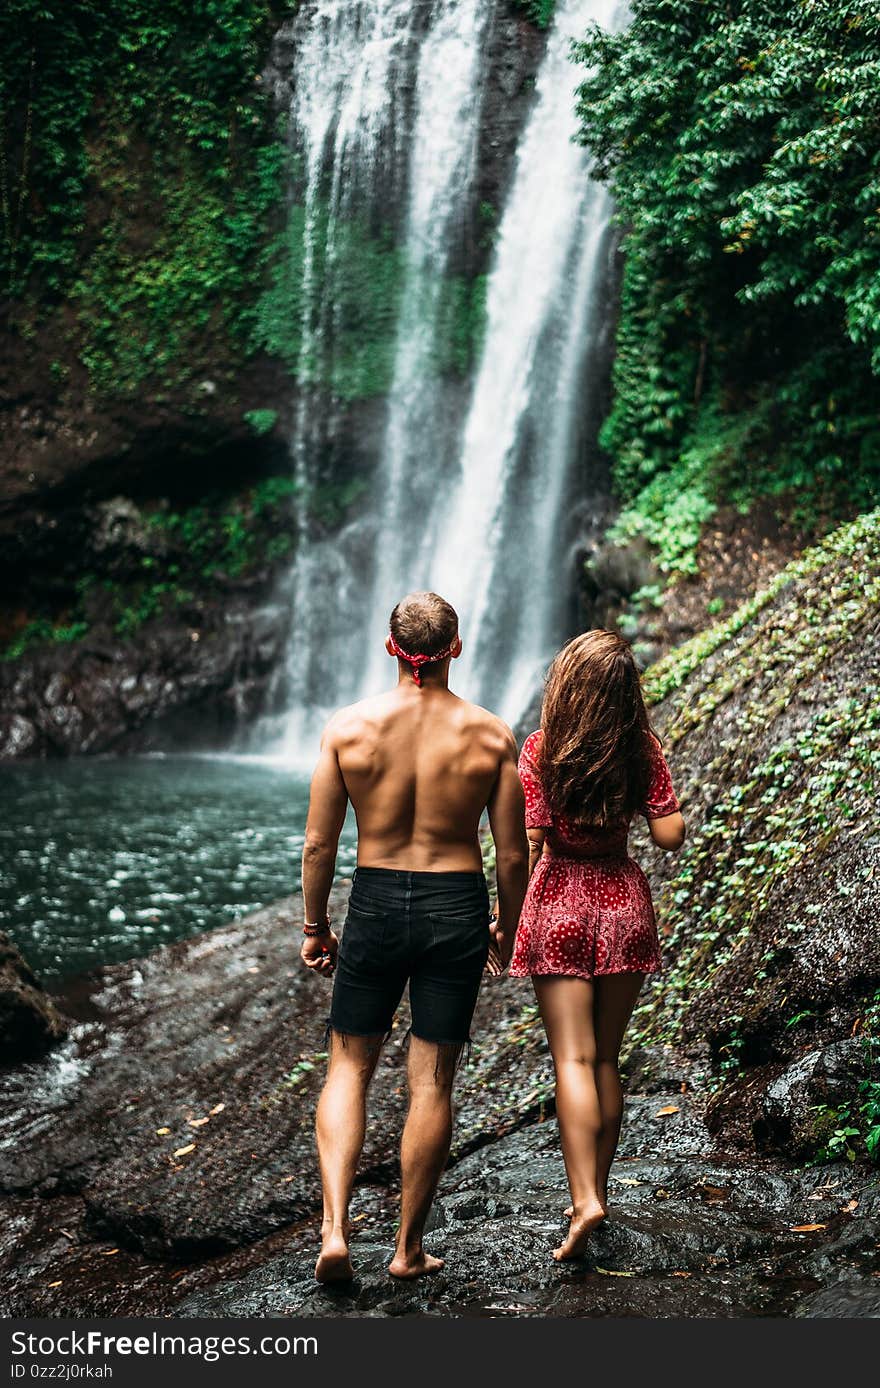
x: 314, y: 929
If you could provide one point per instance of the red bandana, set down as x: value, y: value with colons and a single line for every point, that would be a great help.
x: 416, y: 660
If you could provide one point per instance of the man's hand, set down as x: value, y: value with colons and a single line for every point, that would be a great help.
x: 319, y: 953
x: 500, y: 949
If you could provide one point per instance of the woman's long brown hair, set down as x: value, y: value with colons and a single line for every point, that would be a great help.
x: 595, y: 751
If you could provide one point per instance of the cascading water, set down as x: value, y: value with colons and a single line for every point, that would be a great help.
x: 441, y: 169
x: 362, y: 128
x: 347, y: 114
x: 502, y: 536
x: 471, y: 490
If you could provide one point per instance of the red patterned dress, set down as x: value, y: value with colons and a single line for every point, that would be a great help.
x: 588, y: 909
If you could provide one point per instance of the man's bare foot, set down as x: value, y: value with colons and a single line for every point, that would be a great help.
x: 334, y: 1263
x: 410, y: 1265
x: 582, y: 1225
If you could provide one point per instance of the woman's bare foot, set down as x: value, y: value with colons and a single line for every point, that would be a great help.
x: 582, y: 1225
x: 410, y: 1265
x: 569, y: 1209
x: 334, y: 1263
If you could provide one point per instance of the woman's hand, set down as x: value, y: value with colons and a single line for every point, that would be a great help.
x: 319, y: 953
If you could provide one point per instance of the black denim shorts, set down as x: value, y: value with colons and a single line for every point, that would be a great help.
x: 430, y: 928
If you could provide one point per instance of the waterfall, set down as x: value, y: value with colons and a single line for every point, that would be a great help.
x: 441, y: 170
x: 347, y: 115
x: 471, y: 486
x: 499, y: 554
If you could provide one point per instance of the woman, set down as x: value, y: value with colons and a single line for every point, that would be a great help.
x: 587, y: 935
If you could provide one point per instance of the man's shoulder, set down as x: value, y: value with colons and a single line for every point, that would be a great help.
x: 487, y: 724
x: 349, y: 722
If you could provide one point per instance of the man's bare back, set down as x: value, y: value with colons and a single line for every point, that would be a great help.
x: 419, y: 767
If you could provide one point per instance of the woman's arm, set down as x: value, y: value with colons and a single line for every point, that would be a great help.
x: 536, y: 847
x: 668, y: 832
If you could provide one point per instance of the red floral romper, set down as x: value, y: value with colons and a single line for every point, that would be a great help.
x: 588, y: 908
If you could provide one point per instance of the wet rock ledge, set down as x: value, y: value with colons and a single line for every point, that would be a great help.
x: 160, y: 1161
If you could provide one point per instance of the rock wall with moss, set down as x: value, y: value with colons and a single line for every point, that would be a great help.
x: 771, y: 721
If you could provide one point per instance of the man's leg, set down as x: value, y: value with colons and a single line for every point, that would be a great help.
x: 423, y: 1150
x: 341, y: 1125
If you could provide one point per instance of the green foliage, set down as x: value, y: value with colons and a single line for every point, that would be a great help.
x: 41, y: 631
x: 327, y: 503
x: 741, y: 144
x: 228, y: 540
x: 147, y: 603
x: 460, y: 323
x: 139, y: 169
x: 851, y: 546
x: 363, y: 273
x: 854, y: 1127
x: 366, y: 271
x: 221, y: 538
x: 261, y: 421
x: 540, y: 12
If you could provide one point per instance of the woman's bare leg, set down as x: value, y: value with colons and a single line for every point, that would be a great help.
x: 566, y: 1006
x: 614, y: 997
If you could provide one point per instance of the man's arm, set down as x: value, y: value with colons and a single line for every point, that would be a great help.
x: 507, y: 820
x: 328, y: 802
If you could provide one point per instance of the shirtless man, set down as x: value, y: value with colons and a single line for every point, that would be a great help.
x: 419, y: 765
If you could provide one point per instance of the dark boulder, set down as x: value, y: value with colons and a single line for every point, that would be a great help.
x: 30, y: 1023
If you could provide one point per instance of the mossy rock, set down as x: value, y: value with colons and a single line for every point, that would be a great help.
x: 771, y: 722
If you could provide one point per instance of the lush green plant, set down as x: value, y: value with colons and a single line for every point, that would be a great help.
x: 218, y: 538
x: 363, y: 271
x: 854, y: 1127
x: 149, y: 602
x: 741, y: 143
x: 261, y: 421
x: 366, y: 271
x: 139, y: 168
x: 221, y: 536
